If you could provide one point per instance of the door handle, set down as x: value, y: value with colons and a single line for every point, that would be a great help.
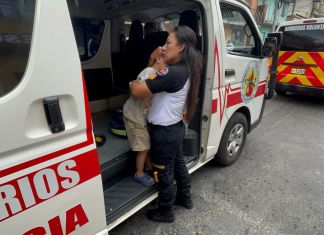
x: 229, y: 72
x: 53, y: 114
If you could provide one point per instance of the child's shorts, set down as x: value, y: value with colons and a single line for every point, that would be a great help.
x: 138, y: 136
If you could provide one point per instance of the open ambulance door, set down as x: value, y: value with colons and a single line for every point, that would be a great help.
x: 50, y: 180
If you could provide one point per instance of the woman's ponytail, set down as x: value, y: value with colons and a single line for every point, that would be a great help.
x: 193, y: 59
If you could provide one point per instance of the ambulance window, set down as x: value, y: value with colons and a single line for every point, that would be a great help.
x: 303, y: 37
x: 88, y: 34
x: 238, y: 34
x: 16, y: 24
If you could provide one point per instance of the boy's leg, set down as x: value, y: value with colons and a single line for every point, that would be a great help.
x: 140, y: 176
x: 148, y: 161
x: 140, y: 162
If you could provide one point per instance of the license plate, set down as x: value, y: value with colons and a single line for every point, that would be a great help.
x: 298, y: 71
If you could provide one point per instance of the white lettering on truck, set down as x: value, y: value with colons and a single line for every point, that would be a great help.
x: 74, y: 217
x: 19, y: 194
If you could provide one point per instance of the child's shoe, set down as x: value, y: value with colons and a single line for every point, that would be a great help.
x: 145, y: 180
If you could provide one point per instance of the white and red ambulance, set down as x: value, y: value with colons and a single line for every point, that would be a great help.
x: 59, y: 89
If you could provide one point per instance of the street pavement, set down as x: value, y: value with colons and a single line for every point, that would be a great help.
x: 275, y: 187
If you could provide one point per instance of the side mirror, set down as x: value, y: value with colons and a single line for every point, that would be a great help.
x: 269, y: 47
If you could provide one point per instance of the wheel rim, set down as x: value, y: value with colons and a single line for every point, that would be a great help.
x: 235, y: 139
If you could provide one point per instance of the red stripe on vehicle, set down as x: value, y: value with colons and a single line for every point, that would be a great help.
x: 61, y: 152
x: 214, y: 106
x: 234, y: 99
x: 235, y: 89
x: 87, y: 111
x: 56, y: 178
x: 295, y: 81
x: 318, y: 59
x: 261, y: 90
x: 221, y: 107
x: 281, y: 74
x: 284, y: 57
x: 312, y: 78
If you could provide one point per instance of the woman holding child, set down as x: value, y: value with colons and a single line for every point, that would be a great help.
x: 173, y: 90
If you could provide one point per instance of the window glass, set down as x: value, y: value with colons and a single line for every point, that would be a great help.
x: 16, y: 24
x: 168, y: 25
x: 303, y: 37
x: 127, y: 25
x: 238, y: 34
x: 88, y: 34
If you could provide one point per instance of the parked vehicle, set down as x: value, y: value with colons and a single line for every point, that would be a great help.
x: 53, y: 178
x: 300, y: 65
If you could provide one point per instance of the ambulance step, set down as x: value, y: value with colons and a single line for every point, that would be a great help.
x: 117, y: 169
x: 124, y: 195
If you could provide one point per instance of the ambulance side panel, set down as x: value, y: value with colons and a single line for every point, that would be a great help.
x: 233, y: 69
x: 217, y: 118
x: 245, y: 89
x: 50, y: 183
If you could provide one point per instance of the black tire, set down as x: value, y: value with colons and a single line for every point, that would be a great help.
x: 280, y: 92
x: 223, y: 157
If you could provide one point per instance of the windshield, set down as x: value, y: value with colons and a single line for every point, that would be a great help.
x: 303, y: 37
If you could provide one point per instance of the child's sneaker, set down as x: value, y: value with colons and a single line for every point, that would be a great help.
x: 145, y: 180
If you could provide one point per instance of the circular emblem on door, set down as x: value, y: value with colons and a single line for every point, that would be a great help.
x: 250, y: 81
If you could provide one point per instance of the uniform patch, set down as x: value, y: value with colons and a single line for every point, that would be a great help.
x: 163, y: 72
x: 152, y: 76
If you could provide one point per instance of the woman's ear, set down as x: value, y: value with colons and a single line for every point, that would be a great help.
x: 181, y: 48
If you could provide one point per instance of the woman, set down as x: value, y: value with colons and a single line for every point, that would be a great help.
x: 174, y: 89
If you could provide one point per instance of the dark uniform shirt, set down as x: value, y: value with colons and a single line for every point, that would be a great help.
x: 170, y: 88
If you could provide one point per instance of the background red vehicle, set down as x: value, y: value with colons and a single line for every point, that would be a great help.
x: 301, y: 58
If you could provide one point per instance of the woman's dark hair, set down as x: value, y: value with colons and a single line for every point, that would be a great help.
x: 193, y: 59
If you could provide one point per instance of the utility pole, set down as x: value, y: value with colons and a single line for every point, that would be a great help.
x: 275, y: 15
x: 313, y: 9
x: 293, y: 10
x: 316, y: 3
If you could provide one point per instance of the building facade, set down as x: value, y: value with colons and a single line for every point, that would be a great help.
x: 269, y: 13
x: 301, y: 9
x: 318, y: 9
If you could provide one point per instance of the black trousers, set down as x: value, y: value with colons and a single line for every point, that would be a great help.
x: 168, y: 162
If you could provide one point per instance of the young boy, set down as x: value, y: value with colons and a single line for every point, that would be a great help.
x: 135, y: 113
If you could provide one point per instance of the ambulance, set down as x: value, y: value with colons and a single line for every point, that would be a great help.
x: 301, y: 57
x: 65, y: 69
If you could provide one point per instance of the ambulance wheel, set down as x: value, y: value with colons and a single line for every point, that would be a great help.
x: 232, y: 141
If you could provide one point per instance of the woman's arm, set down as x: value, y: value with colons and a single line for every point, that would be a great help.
x: 140, y: 89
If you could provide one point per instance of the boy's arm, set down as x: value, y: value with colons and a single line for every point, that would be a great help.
x: 140, y: 89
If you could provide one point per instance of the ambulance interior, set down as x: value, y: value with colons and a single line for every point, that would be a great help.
x: 108, y: 70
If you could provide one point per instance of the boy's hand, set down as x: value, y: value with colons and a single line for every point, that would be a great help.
x: 155, y: 54
x: 159, y: 64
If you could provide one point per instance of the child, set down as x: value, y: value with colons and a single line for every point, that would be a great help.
x: 135, y: 113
